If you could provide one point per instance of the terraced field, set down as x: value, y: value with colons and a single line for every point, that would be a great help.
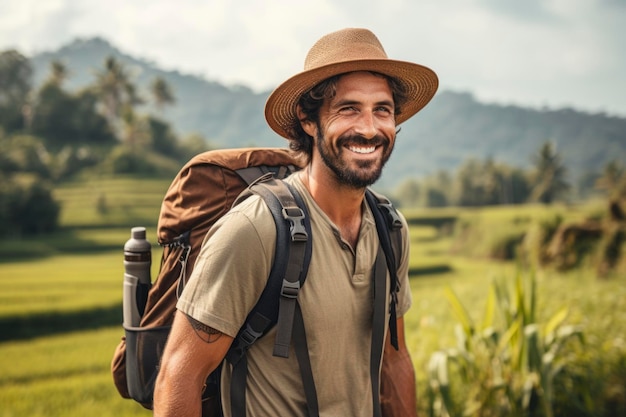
x: 60, y: 296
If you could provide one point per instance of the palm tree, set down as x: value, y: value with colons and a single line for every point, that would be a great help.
x: 58, y: 72
x: 16, y: 79
x: 162, y: 93
x: 116, y: 92
x: 548, y: 182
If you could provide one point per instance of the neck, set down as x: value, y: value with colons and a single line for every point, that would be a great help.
x: 332, y: 196
x: 341, y: 203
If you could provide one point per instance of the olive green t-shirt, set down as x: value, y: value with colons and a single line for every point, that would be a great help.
x: 336, y: 302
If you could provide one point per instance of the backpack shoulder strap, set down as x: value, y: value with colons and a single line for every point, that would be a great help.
x: 388, y: 226
x: 277, y: 304
x: 379, y: 279
x: 391, y: 219
x: 290, y: 265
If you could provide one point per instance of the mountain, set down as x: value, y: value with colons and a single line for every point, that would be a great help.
x: 451, y: 129
x: 217, y: 112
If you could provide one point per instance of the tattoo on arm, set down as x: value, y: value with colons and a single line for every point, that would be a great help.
x: 205, y: 333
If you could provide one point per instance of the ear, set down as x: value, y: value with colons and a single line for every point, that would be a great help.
x: 309, y: 127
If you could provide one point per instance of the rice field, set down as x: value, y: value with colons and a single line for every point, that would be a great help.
x: 60, y: 298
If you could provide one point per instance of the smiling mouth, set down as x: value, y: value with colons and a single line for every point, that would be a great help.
x: 362, y: 149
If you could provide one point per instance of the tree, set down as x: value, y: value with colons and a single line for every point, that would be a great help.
x: 408, y: 193
x: 24, y: 154
x: 162, y: 93
x: 27, y: 209
x: 549, y: 177
x: 91, y: 126
x: 135, y: 131
x: 16, y: 75
x: 58, y: 72
x: 164, y: 140
x: 27, y: 205
x: 436, y: 190
x: 67, y: 119
x: 116, y: 92
x: 471, y: 184
x: 613, y: 180
x: 53, y: 109
x: 516, y: 186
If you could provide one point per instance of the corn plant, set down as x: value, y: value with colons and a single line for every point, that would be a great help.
x: 508, y: 363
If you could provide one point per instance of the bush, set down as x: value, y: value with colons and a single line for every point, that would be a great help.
x: 503, y: 244
x: 597, y: 241
x: 610, y: 248
x: 24, y: 154
x: 537, y: 238
x: 484, y: 238
x: 27, y: 208
x: 70, y: 161
x: 124, y: 160
x: 509, y: 365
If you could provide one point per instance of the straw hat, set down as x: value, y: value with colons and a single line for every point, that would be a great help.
x: 344, y: 51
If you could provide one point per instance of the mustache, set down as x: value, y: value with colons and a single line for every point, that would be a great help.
x: 378, y: 140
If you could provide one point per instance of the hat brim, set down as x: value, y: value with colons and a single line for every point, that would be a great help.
x: 420, y: 82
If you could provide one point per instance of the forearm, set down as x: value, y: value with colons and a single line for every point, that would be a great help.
x: 175, y: 396
x: 397, y: 384
x: 398, y: 389
x: 192, y: 352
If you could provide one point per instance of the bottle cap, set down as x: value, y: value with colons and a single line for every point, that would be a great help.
x: 138, y: 233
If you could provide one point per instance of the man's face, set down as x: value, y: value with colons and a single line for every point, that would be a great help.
x: 357, y: 129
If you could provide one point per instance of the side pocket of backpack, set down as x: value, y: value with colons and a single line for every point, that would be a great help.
x: 144, y: 348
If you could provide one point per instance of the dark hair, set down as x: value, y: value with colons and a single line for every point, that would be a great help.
x: 311, y: 101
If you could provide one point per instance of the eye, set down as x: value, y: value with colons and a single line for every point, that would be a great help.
x: 347, y: 109
x: 384, y: 110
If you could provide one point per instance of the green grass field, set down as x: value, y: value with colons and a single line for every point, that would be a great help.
x: 111, y: 201
x: 60, y: 304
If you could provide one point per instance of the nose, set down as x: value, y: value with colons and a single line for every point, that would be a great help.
x: 366, y: 125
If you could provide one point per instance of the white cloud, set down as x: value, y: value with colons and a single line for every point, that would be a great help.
x: 555, y: 52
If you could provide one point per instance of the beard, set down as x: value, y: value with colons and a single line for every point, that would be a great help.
x: 366, y: 173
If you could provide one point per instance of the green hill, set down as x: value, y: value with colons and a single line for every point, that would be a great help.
x: 454, y: 127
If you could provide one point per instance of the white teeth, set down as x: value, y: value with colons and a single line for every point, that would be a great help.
x: 363, y: 150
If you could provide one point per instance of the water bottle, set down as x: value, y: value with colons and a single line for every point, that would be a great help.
x: 137, y: 282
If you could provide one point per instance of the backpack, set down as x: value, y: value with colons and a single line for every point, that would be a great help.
x: 202, y: 192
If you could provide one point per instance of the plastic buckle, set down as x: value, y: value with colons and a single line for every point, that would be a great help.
x: 290, y: 289
x: 392, y: 217
x: 248, y: 337
x: 295, y: 215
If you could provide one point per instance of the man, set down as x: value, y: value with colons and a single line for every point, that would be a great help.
x: 341, y: 114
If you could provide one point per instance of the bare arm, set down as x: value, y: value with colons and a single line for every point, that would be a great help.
x: 192, y: 352
x: 397, y: 386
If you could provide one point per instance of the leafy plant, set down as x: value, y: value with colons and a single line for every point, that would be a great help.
x: 507, y: 364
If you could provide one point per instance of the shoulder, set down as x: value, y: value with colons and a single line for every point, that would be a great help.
x: 251, y: 220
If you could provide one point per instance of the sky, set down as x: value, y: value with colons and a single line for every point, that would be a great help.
x: 530, y: 53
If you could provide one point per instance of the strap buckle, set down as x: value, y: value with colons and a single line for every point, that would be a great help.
x: 393, y: 219
x: 290, y: 289
x: 295, y: 216
x: 249, y: 336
